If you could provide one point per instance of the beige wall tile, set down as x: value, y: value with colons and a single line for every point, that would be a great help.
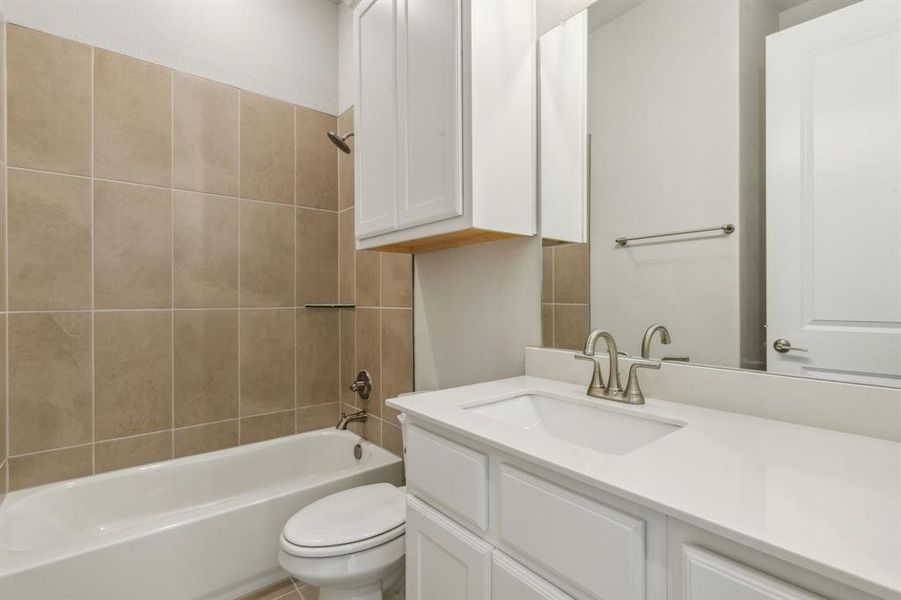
x: 206, y: 438
x: 267, y: 360
x: 570, y: 325
x: 205, y: 250
x: 547, y: 274
x: 368, y: 356
x: 571, y: 273
x: 3, y: 428
x: 317, y: 417
x: 267, y: 149
x: 132, y: 373
x: 346, y: 162
x: 267, y: 254
x: 3, y: 215
x: 397, y: 356
x: 397, y: 279
x: 3, y: 471
x: 49, y: 241
x: 347, y: 371
x: 49, y: 381
x: 132, y: 120
x: 49, y: 102
x: 265, y: 427
x: 205, y: 147
x: 317, y: 160
x: 206, y: 366
x: 46, y: 467
x: 133, y: 451
x: 371, y: 429
x: 368, y: 278
x: 392, y: 439
x: 547, y: 325
x: 132, y: 246
x: 317, y: 256
x: 317, y: 356
x: 346, y: 257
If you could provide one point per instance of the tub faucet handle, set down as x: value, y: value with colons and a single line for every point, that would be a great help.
x: 362, y: 385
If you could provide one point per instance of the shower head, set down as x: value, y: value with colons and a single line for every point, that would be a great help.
x: 341, y: 141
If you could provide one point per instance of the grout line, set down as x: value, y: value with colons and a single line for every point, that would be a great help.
x: 294, y: 257
x: 93, y: 299
x: 172, y: 253
x: 4, y: 484
x: 240, y: 291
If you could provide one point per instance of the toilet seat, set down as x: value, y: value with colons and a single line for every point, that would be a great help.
x: 347, y: 522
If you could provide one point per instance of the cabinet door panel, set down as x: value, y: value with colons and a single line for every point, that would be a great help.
x: 376, y: 24
x: 430, y: 115
x: 512, y: 581
x: 708, y: 576
x: 444, y: 560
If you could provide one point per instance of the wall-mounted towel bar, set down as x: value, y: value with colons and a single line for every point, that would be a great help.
x: 329, y: 305
x: 726, y: 229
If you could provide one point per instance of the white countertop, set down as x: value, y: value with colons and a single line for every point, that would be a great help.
x: 824, y: 500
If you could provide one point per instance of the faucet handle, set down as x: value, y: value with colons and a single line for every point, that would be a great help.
x: 633, y: 394
x: 596, y: 386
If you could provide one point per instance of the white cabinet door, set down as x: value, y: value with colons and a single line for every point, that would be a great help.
x: 708, y: 576
x: 429, y: 111
x: 376, y: 32
x: 512, y: 581
x: 444, y: 561
x: 834, y: 195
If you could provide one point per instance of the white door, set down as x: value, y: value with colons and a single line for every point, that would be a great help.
x: 444, y: 561
x: 708, y: 576
x: 430, y: 111
x: 834, y: 195
x: 375, y: 35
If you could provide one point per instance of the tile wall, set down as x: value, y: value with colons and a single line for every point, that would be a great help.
x: 164, y: 233
x: 564, y: 296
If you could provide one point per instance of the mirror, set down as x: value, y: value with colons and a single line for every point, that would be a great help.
x: 730, y: 170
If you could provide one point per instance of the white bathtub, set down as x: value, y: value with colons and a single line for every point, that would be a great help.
x: 203, y: 526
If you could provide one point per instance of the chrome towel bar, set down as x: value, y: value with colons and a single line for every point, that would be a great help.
x: 726, y: 229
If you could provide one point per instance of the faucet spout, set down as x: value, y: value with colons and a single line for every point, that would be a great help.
x: 360, y: 415
x: 613, y: 382
x: 649, y: 336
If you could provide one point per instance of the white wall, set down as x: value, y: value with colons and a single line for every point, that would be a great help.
x: 345, y: 58
x: 663, y: 114
x: 810, y: 10
x: 284, y: 49
x: 475, y: 309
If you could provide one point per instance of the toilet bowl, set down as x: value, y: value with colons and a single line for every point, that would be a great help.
x: 350, y: 544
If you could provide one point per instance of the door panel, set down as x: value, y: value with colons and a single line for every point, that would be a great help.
x: 708, y: 576
x: 430, y: 111
x: 834, y: 195
x: 376, y: 117
x: 444, y: 560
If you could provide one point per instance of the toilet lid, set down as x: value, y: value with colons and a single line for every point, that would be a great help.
x: 346, y: 517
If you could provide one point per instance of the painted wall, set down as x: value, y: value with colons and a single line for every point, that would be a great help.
x: 284, y: 49
x: 810, y: 10
x: 345, y: 58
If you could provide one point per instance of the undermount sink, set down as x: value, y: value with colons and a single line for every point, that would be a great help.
x: 594, y: 427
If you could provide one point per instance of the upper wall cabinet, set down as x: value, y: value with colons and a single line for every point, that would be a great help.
x: 445, y: 122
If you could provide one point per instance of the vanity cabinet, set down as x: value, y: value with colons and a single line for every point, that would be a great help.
x: 444, y: 122
x: 483, y: 524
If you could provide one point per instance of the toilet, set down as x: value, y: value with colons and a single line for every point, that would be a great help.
x: 349, y: 544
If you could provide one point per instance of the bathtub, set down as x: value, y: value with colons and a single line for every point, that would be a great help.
x: 204, y: 526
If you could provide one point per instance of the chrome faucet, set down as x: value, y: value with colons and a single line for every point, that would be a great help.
x: 664, y: 339
x: 613, y: 390
x: 360, y: 415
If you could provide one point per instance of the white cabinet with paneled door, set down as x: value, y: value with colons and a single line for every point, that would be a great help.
x: 709, y: 576
x: 445, y: 122
x: 444, y: 560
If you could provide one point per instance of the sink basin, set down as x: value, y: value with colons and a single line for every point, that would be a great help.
x: 593, y: 427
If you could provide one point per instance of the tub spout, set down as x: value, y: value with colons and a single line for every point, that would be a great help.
x: 360, y: 415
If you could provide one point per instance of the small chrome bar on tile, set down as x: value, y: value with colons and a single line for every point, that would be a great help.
x: 726, y: 229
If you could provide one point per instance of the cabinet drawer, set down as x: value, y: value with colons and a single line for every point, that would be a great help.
x: 592, y: 545
x: 709, y: 576
x: 512, y: 581
x: 448, y: 475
